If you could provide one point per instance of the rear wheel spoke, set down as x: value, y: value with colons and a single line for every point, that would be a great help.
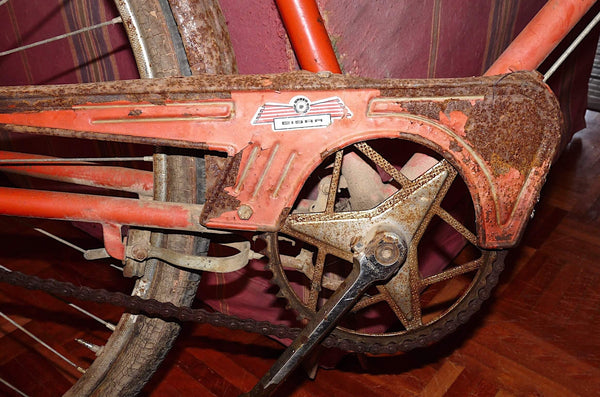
x: 7, y: 384
x: 41, y: 342
x: 61, y: 36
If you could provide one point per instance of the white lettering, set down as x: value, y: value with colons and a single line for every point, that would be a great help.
x: 297, y: 122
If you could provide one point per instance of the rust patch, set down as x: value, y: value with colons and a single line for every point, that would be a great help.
x: 205, y: 36
x: 435, y: 109
x: 221, y: 173
x: 455, y: 147
x: 511, y: 127
x: 509, y: 122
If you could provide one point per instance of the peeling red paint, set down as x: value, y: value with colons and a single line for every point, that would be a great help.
x: 456, y: 121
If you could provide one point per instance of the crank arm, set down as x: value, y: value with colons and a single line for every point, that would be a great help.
x: 379, y: 261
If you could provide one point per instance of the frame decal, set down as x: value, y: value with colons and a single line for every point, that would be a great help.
x: 301, y: 113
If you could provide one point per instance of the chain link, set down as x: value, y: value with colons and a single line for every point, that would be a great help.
x: 167, y: 310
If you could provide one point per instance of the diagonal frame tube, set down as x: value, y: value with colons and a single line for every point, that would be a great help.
x: 541, y: 35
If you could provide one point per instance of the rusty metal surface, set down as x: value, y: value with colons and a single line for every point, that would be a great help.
x: 404, y: 210
x: 512, y: 134
x: 155, y: 56
x: 135, y: 236
x: 325, y: 236
x: 26, y: 98
x: 416, y: 332
x: 221, y: 173
x: 405, y: 213
x: 205, y: 36
x: 142, y: 251
x: 476, y: 123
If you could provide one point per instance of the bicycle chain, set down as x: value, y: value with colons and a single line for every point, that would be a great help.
x: 167, y: 310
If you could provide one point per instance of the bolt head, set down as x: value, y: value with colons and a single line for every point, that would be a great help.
x: 139, y: 252
x: 387, y: 253
x: 245, y: 212
x: 389, y: 248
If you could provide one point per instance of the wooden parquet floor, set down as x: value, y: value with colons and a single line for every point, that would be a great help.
x: 538, y: 335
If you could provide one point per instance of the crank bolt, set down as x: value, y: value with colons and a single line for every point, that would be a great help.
x: 387, y: 253
x: 389, y: 249
x: 245, y: 212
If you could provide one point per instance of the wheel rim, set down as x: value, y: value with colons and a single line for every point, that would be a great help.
x: 152, y: 39
x: 139, y: 344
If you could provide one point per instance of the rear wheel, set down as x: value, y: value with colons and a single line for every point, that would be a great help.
x: 138, y: 345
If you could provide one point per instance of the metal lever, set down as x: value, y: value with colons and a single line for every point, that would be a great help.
x: 378, y: 261
x: 141, y: 252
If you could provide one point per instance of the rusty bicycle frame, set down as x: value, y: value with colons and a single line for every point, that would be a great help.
x: 266, y: 165
x: 500, y: 131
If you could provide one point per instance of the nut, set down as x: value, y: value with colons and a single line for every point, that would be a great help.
x: 387, y: 248
x: 139, y: 252
x: 245, y: 212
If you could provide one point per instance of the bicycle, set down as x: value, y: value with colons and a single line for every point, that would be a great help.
x: 295, y: 108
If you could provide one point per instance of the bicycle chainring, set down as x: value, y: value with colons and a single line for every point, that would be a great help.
x: 394, y: 340
x: 359, y: 192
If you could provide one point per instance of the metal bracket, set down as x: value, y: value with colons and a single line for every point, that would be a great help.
x: 141, y: 252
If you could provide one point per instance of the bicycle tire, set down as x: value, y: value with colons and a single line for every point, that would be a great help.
x: 139, y: 344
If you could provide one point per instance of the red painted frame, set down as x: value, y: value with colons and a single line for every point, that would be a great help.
x: 525, y: 53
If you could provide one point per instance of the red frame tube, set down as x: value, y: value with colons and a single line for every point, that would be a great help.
x: 116, y: 178
x: 308, y: 35
x: 101, y: 209
x: 541, y: 35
